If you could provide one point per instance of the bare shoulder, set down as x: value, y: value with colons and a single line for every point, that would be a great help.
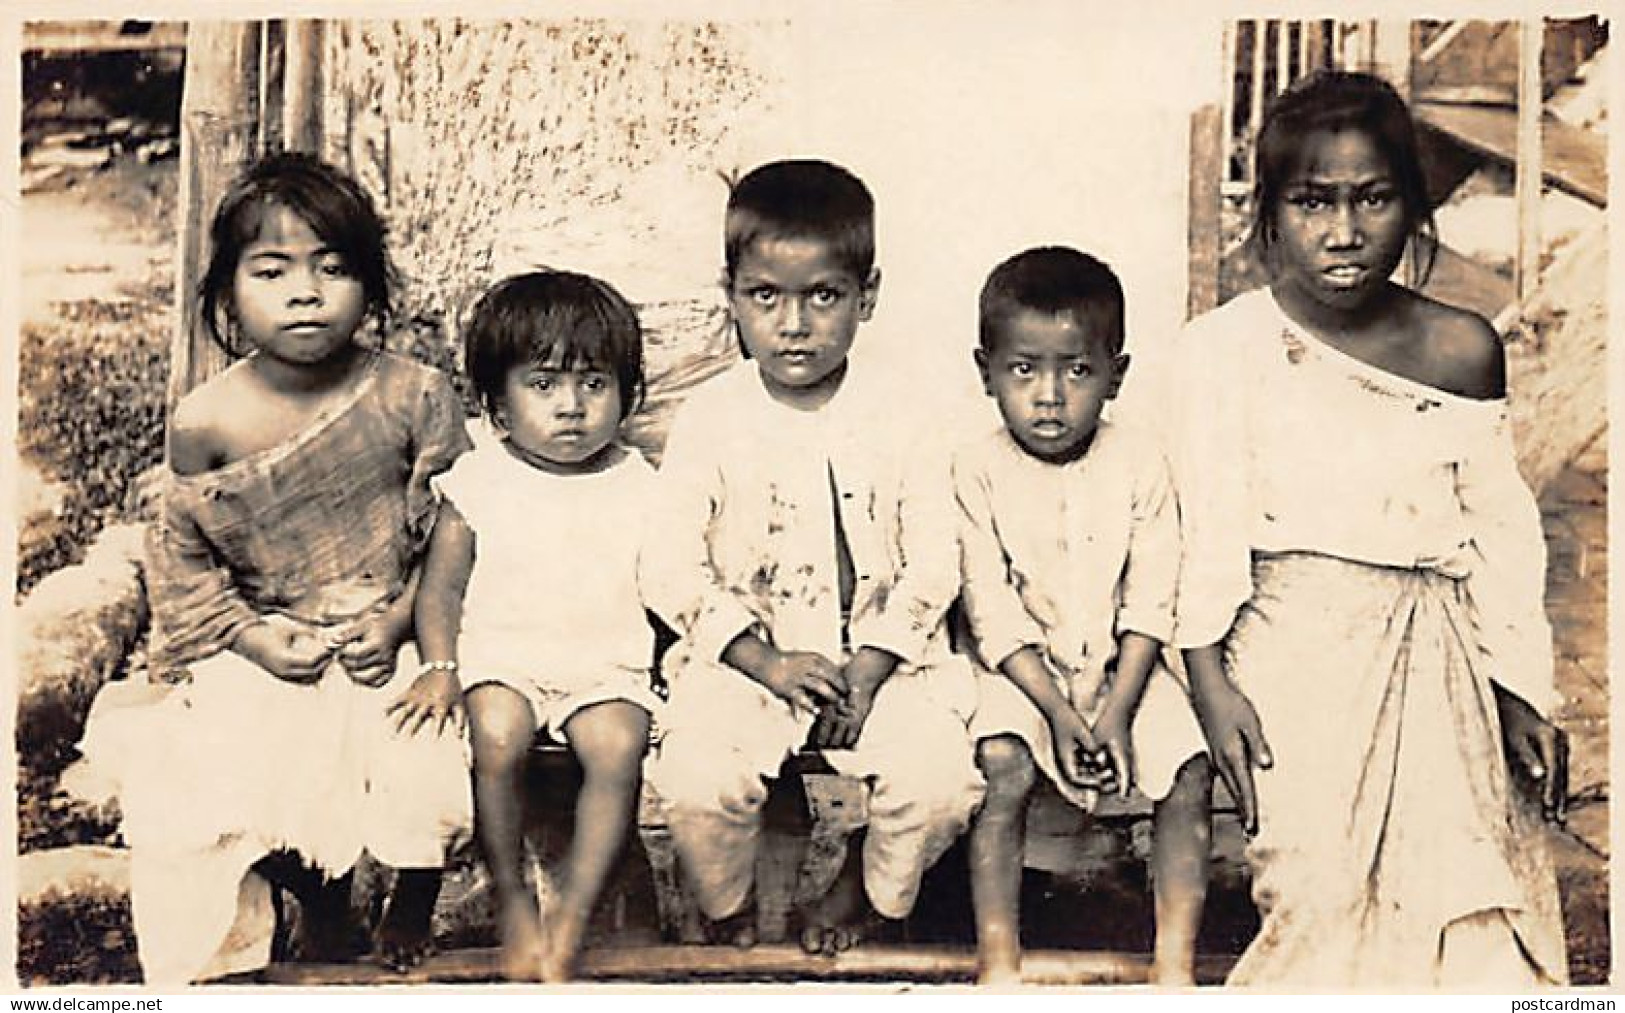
x: 197, y: 427
x: 1463, y: 352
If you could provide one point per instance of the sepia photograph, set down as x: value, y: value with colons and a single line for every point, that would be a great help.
x: 1064, y: 497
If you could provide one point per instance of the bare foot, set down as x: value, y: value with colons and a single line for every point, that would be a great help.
x: 842, y: 918
x: 737, y: 929
x: 520, y: 924
x: 999, y: 975
x: 561, y: 945
x: 1172, y: 973
x: 998, y: 955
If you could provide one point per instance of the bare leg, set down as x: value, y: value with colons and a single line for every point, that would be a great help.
x: 996, y: 842
x: 503, y: 725
x: 610, y: 740
x: 406, y: 935
x: 328, y: 931
x: 843, y: 917
x: 1182, y: 834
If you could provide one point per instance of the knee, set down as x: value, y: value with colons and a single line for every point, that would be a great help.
x: 613, y: 753
x: 935, y: 790
x: 1189, y: 801
x: 1007, y: 767
x: 696, y: 776
x: 1193, y: 785
x: 500, y: 730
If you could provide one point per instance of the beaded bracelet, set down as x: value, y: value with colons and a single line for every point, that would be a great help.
x: 437, y: 666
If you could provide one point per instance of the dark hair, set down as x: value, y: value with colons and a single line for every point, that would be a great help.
x: 332, y: 203
x: 1332, y: 101
x: 1054, y: 280
x: 536, y: 316
x: 805, y: 199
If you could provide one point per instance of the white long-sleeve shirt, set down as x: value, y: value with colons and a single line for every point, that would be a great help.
x: 745, y: 535
x: 1065, y: 558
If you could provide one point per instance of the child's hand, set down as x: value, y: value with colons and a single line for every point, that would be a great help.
x: 367, y: 646
x: 839, y: 724
x: 435, y: 695
x: 804, y: 679
x: 1236, y: 739
x: 1537, y: 750
x: 291, y: 651
x: 1116, y: 749
x: 1075, y: 747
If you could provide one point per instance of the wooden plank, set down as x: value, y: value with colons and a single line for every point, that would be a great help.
x: 73, y: 38
x: 693, y: 964
x: 1574, y: 161
x: 1459, y: 280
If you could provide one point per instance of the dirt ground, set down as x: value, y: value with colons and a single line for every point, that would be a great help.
x: 107, y: 238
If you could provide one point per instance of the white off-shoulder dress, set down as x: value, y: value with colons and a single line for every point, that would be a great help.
x: 1369, y: 554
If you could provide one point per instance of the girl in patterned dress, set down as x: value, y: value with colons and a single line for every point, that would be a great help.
x: 280, y: 732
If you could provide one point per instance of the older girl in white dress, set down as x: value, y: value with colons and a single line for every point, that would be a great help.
x: 1360, y: 543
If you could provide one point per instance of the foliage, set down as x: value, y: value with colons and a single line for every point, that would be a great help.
x: 78, y: 941
x: 91, y: 416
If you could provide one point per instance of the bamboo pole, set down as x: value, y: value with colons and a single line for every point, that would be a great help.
x: 303, y: 45
x: 273, y: 60
x: 1283, y: 55
x: 219, y: 134
x: 1227, y: 98
x: 1529, y: 158
x: 1255, y: 116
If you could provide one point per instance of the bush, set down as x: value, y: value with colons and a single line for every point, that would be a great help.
x: 84, y: 941
x: 91, y: 416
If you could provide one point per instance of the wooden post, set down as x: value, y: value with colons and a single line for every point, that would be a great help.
x: 1209, y: 162
x: 1227, y: 100
x: 1283, y: 55
x: 1530, y: 156
x: 302, y: 84
x: 219, y: 134
x: 1255, y: 109
x: 273, y: 58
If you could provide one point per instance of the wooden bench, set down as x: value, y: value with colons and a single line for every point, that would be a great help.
x: 809, y: 820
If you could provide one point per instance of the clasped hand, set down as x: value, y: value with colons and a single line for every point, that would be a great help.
x: 367, y: 645
x: 1097, y: 758
x: 842, y: 697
